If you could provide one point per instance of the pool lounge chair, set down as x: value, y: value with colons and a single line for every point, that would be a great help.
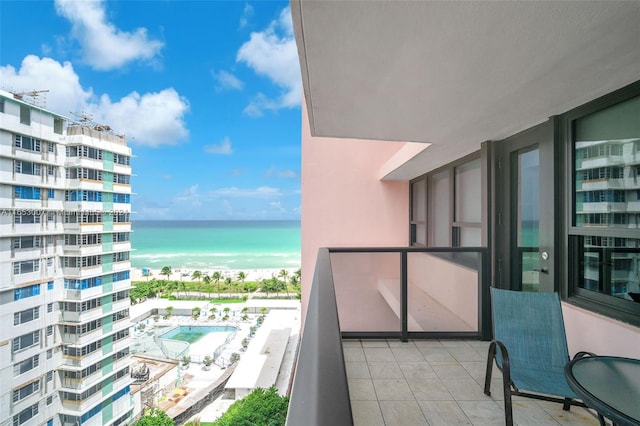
x: 530, y: 348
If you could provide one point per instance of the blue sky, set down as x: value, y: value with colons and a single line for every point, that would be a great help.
x: 207, y: 93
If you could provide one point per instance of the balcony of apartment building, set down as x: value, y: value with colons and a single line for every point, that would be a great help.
x: 398, y: 347
x: 74, y: 403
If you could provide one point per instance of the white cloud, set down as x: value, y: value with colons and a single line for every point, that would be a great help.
x: 224, y: 147
x: 276, y: 205
x: 147, y: 119
x: 273, y: 171
x: 272, y: 53
x: 104, y: 46
x: 227, y: 81
x: 260, y: 192
x: 247, y: 13
x: 189, y: 197
x: 151, y: 119
x: 65, y: 93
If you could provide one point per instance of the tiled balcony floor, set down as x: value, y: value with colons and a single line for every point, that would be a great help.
x: 437, y: 382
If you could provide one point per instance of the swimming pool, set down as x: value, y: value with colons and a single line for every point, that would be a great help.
x: 193, y: 333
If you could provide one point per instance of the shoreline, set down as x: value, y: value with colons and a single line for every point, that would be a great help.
x: 184, y: 274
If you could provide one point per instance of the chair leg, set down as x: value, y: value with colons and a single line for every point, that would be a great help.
x: 487, y: 377
x: 566, y: 406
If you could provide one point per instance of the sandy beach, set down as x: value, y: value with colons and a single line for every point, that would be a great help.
x: 184, y: 274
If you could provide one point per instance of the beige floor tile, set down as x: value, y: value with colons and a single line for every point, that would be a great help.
x: 402, y: 413
x: 366, y: 413
x: 378, y: 354
x: 393, y: 390
x: 429, y: 390
x: 385, y: 370
x: 361, y: 390
x: 443, y: 413
x: 407, y: 354
x: 417, y: 370
x: 357, y: 370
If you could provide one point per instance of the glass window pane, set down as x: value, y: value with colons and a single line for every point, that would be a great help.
x: 468, y: 192
x: 607, y: 158
x: 439, y: 212
x: 610, y: 266
x: 419, y: 201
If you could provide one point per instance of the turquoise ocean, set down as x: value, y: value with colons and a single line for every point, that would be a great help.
x: 216, y: 244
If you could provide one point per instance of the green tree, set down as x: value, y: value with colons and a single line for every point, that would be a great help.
x: 207, y: 284
x: 217, y: 276
x: 229, y: 283
x: 166, y: 270
x: 197, y: 275
x: 260, y: 407
x: 284, y: 274
x: 241, y: 277
x: 155, y: 417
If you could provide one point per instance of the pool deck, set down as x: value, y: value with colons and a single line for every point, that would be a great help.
x: 268, y: 360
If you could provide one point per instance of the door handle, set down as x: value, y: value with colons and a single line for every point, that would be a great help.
x: 544, y: 270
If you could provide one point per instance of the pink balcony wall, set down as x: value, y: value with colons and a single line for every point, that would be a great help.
x: 344, y: 202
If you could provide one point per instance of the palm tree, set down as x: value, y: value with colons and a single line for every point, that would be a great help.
x: 284, y: 274
x: 166, y: 270
x: 207, y: 284
x: 197, y: 275
x: 241, y: 277
x: 216, y: 278
x: 229, y: 282
x: 184, y: 287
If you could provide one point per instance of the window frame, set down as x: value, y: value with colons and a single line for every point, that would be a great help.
x: 455, y: 226
x: 610, y: 306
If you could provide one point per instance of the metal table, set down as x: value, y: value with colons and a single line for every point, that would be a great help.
x: 610, y: 385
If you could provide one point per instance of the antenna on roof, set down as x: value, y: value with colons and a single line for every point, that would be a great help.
x: 33, y: 97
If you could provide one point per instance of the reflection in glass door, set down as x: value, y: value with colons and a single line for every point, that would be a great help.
x: 527, y: 224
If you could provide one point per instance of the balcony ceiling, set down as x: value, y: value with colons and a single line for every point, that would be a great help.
x: 456, y: 73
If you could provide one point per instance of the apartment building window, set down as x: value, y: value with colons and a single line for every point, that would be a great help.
x: 26, y: 266
x: 26, y: 365
x: 120, y: 237
x: 121, y: 256
x: 26, y: 316
x: 25, y: 415
x: 121, y: 159
x: 120, y: 276
x: 446, y: 206
x: 19, y: 218
x: 49, y: 353
x: 605, y: 244
x: 27, y: 242
x: 49, y: 330
x: 121, y: 218
x: 26, y: 193
x: 23, y: 392
x: 49, y: 402
x: 57, y: 125
x: 24, y: 292
x: 49, y: 376
x: 51, y: 170
x: 121, y: 198
x: 121, y: 179
x: 27, y: 168
x: 26, y: 341
x: 28, y: 143
x: 25, y: 115
x: 2, y: 105
x: 49, y: 308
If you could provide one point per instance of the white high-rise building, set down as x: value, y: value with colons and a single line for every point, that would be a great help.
x: 64, y: 269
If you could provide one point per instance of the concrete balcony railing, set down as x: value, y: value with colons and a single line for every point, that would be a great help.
x: 382, y: 293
